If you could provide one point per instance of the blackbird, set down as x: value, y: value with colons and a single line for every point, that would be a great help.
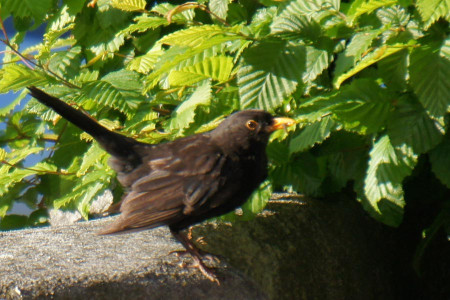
x: 186, y: 181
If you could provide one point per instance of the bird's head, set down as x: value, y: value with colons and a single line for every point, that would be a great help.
x: 245, y: 128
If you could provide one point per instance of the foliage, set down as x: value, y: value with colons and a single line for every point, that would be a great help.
x: 367, y: 82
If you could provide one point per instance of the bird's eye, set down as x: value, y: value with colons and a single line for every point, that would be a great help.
x: 251, y: 124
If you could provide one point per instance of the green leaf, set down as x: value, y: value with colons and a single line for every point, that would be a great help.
x: 176, y: 56
x: 184, y: 115
x: 313, y: 9
x: 317, y: 60
x: 88, y: 196
x: 56, y: 28
x: 5, y: 110
x: 200, y: 35
x: 294, y: 26
x: 219, y: 8
x: 312, y: 134
x: 363, y: 106
x: 145, y: 63
x: 217, y: 68
x: 432, y: 10
x: 129, y: 5
x: 163, y: 9
x: 368, y: 60
x: 11, y: 222
x: 94, y: 154
x: 120, y: 90
x: 2, y: 154
x: 355, y: 50
x: 28, y: 8
x: 304, y: 174
x: 411, y: 125
x: 440, y: 161
x: 361, y: 7
x: 393, y: 69
x: 388, y: 166
x: 66, y: 64
x: 257, y: 201
x: 430, y: 70
x: 143, y: 24
x: 16, y: 77
x: 269, y: 73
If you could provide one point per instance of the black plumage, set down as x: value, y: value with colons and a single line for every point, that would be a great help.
x: 186, y: 181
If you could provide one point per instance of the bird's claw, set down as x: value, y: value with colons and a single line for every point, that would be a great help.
x: 204, y: 255
x: 206, y: 271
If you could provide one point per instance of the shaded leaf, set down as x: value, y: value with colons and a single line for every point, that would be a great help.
x: 430, y: 70
x: 440, y: 161
x: 388, y: 166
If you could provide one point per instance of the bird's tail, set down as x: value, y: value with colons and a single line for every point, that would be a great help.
x: 116, y: 144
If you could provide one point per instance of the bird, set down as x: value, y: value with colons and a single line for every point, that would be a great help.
x: 186, y: 181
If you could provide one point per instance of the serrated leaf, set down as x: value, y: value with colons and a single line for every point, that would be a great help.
x: 109, y: 47
x: 66, y: 64
x: 16, y: 77
x: 269, y: 73
x: 8, y: 108
x: 120, y: 90
x: 28, y: 8
x: 199, y: 35
x: 219, y: 8
x: 411, y: 125
x: 164, y: 9
x: 353, y: 53
x: 394, y: 70
x: 143, y: 24
x: 2, y: 154
x: 88, y: 196
x: 388, y: 166
x: 432, y: 10
x: 145, y: 63
x: 257, y: 201
x: 295, y: 26
x: 440, y: 161
x: 129, y: 5
x: 371, y: 58
x: 312, y: 134
x: 105, y: 94
x: 430, y: 70
x: 17, y: 155
x: 363, y: 107
x: 312, y: 10
x: 184, y: 115
x: 359, y: 8
x: 94, y: 154
x: 303, y: 174
x: 176, y: 56
x: 62, y: 24
x: 44, y: 167
x: 216, y: 68
x: 317, y: 60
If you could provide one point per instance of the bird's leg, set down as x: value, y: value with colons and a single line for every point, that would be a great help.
x: 195, y: 253
x: 203, y: 254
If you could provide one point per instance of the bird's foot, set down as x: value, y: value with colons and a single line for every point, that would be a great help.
x: 197, y: 255
x: 206, y: 271
x: 203, y: 254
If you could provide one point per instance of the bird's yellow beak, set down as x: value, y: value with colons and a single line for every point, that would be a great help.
x: 280, y: 123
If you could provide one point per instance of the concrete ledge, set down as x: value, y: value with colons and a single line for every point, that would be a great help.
x: 72, y: 262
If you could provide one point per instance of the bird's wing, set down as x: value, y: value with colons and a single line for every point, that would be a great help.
x: 178, y: 180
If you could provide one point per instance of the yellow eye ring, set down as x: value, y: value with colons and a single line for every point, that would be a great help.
x: 251, y: 124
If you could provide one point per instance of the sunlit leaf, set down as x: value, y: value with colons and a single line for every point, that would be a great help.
x: 266, y: 76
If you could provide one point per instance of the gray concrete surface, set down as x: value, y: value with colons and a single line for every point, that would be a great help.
x: 71, y: 262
